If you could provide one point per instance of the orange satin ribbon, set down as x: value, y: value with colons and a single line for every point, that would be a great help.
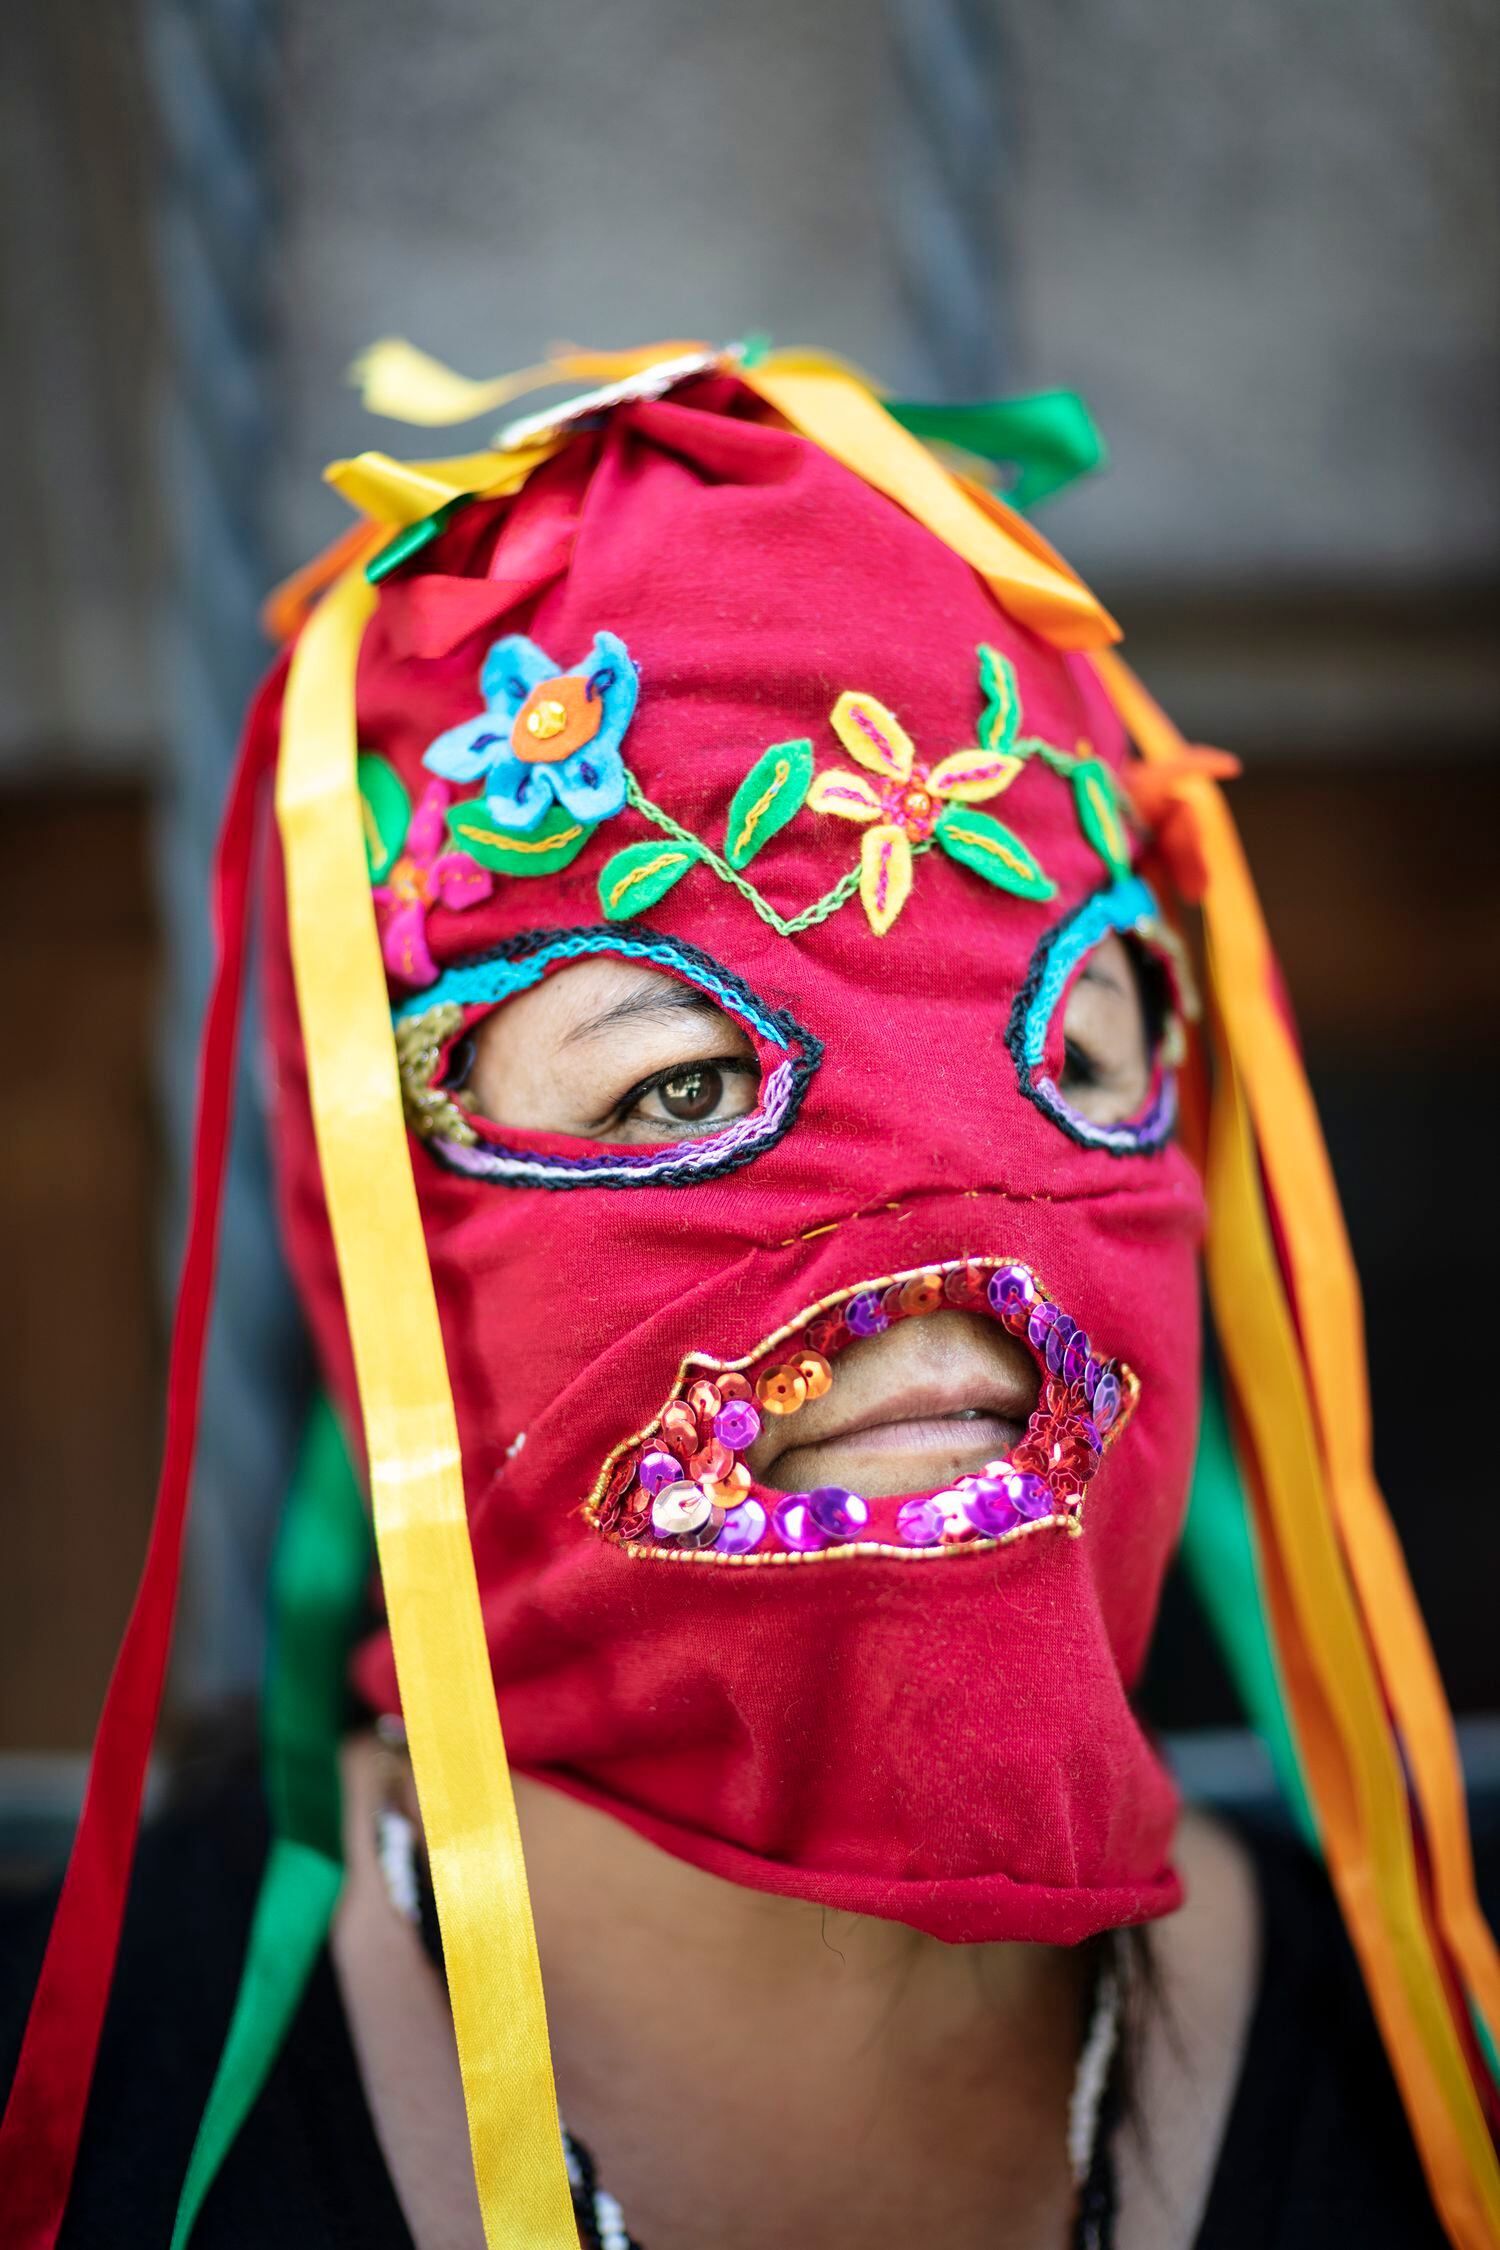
x: 1323, y: 1523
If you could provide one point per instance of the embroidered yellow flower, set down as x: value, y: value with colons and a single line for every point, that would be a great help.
x: 904, y: 801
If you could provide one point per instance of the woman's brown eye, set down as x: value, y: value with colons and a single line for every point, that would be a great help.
x: 692, y: 1093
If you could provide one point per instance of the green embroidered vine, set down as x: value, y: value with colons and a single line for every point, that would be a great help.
x: 694, y: 850
x: 1098, y: 798
x: 903, y: 805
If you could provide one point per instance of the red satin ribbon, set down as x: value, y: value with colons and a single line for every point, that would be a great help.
x: 44, y: 2115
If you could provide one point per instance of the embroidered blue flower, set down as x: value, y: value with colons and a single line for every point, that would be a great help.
x: 545, y: 736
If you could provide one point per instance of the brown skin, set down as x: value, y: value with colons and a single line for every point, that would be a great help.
x: 753, y: 2072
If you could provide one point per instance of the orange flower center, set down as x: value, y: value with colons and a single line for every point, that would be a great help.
x: 557, y: 718
x: 914, y: 808
x: 410, y: 883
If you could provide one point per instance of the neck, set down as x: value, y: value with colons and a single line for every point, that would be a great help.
x: 767, y: 2023
x: 804, y: 2076
x: 615, y: 1915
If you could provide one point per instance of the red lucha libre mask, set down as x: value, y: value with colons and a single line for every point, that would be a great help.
x: 671, y: 703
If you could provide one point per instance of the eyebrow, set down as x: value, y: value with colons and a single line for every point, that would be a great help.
x: 648, y: 1004
x: 1091, y: 973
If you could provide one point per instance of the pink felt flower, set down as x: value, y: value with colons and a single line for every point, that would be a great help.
x: 426, y: 873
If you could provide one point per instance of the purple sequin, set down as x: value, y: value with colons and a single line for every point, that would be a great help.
x: 1106, y: 1400
x: 1091, y: 1375
x: 920, y: 1522
x: 865, y: 1315
x: 987, y: 1505
x: 1075, y: 1357
x: 743, y: 1528
x: 1058, y: 1336
x: 657, y: 1470
x: 737, y: 1424
x: 707, y: 1532
x: 794, y: 1528
x: 1038, y: 1327
x: 1011, y: 1290
x: 1027, y: 1495
x: 837, y: 1514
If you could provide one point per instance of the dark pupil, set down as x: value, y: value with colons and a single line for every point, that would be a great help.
x: 692, y: 1093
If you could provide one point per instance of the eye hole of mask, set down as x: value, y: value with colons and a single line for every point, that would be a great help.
x: 518, y: 1059
x: 1095, y: 1029
x: 608, y: 1050
x: 1114, y: 1021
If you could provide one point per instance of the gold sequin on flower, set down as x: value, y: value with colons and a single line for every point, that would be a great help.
x: 431, y: 1111
x: 544, y: 720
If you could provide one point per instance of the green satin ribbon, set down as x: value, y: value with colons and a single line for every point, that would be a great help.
x: 1218, y: 1553
x: 1049, y: 436
x: 318, y: 1581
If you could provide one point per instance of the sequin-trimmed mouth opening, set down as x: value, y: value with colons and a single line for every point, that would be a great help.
x: 681, y: 1490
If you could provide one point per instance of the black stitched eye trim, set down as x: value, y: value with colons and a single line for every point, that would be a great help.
x: 1126, y: 907
x: 424, y: 1023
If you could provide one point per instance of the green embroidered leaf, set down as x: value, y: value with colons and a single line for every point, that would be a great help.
x: 771, y: 792
x: 641, y: 874
x: 1099, y: 814
x: 1002, y: 710
x: 555, y: 842
x: 384, y: 811
x: 993, y: 851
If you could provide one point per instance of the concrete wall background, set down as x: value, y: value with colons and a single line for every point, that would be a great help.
x: 1262, y: 241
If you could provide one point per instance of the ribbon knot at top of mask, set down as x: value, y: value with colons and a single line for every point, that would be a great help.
x: 699, y: 697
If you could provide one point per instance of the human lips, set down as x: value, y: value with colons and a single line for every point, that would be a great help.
x: 912, y: 1408
x: 935, y: 1368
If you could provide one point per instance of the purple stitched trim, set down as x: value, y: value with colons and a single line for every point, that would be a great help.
x: 681, y: 1157
x: 1142, y: 1133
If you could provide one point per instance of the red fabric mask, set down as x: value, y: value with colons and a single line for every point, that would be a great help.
x: 925, y: 1718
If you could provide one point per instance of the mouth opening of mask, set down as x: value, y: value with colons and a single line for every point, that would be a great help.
x: 682, y: 1488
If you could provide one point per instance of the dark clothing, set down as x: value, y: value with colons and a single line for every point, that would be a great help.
x: 1317, y: 2151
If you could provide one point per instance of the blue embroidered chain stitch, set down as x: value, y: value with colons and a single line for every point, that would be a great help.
x: 1125, y: 905
x: 1120, y: 907
x: 523, y: 961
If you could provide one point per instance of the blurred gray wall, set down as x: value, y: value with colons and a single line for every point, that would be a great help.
x: 1263, y: 241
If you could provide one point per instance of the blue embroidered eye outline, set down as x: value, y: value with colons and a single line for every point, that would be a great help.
x: 1126, y: 907
x: 521, y: 962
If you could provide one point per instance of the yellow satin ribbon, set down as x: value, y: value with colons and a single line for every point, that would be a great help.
x: 1353, y: 1766
x: 833, y: 408
x: 823, y: 398
x: 406, y: 384
x: 411, y: 1433
x: 402, y: 492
